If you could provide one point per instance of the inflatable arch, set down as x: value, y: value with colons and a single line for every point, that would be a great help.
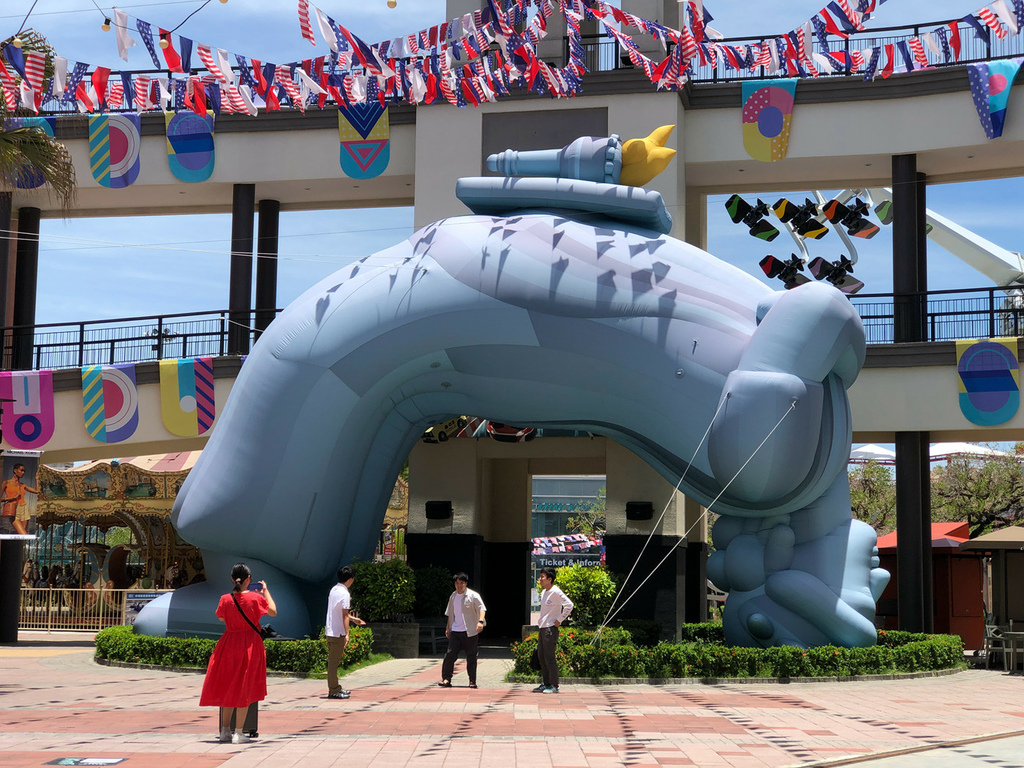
x: 561, y: 303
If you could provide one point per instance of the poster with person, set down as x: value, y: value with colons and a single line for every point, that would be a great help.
x: 19, y: 491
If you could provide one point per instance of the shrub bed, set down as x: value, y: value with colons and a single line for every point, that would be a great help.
x: 297, y: 656
x: 896, y: 652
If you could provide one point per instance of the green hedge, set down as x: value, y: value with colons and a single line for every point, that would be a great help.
x: 896, y: 652
x: 297, y: 656
x: 568, y: 639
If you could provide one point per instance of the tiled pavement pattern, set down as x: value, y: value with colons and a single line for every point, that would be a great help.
x: 55, y: 702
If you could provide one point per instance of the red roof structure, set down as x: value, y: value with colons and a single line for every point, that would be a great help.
x: 944, y: 536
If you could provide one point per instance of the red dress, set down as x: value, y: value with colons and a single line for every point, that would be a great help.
x: 237, y: 673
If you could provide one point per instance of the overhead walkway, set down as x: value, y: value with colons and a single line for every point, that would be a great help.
x: 927, y: 370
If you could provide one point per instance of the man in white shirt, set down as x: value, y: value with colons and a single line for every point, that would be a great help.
x: 465, y: 612
x: 555, y: 607
x: 338, y: 620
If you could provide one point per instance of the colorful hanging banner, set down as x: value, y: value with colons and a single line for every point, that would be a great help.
x: 114, y: 142
x: 989, y: 380
x: 186, y: 395
x: 990, y: 87
x: 365, y: 134
x: 110, y: 401
x: 767, y: 117
x: 28, y: 421
x: 190, y: 151
x: 29, y: 176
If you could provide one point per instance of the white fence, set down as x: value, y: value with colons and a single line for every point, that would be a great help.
x: 86, y: 610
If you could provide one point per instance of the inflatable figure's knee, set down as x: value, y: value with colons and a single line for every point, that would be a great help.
x: 191, y: 611
x: 758, y: 404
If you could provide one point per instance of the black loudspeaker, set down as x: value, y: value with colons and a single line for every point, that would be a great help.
x: 438, y: 510
x: 638, y: 510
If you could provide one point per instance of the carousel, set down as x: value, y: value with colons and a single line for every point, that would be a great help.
x: 108, y: 523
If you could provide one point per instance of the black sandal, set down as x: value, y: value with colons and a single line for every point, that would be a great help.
x: 472, y: 685
x: 445, y: 684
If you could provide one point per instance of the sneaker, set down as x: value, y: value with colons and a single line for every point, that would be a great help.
x: 539, y: 689
x: 225, y: 736
x: 342, y: 694
x: 240, y: 738
x: 550, y: 689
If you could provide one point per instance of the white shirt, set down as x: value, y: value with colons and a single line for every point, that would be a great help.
x: 459, y: 620
x: 339, y: 600
x: 554, y: 605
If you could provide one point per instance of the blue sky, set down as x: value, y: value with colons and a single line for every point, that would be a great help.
x: 92, y: 269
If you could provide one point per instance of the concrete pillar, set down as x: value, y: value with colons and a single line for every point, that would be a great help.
x: 266, y: 264
x: 913, y: 524
x: 26, y: 276
x: 243, y: 206
x: 654, y: 551
x: 695, y: 217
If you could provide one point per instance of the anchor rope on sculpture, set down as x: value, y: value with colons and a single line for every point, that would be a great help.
x: 570, y: 279
x: 685, y: 535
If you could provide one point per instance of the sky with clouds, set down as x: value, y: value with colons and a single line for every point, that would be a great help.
x: 180, y: 264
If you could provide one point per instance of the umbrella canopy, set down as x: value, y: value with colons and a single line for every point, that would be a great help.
x: 1004, y: 538
x: 943, y: 451
x: 872, y: 452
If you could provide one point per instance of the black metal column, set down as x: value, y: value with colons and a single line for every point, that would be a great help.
x: 26, y: 276
x: 913, y: 522
x: 243, y: 207
x: 6, y: 238
x: 266, y: 264
x: 10, y: 589
x: 909, y: 279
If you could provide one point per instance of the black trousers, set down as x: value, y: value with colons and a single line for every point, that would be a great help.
x: 547, y: 640
x: 460, y: 641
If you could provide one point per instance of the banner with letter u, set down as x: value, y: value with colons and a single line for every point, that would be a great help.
x: 767, y: 118
x: 186, y: 395
x: 28, y: 421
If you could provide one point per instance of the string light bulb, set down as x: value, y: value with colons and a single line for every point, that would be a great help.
x: 164, y: 42
x: 223, y: 2
x: 106, y: 25
x: 392, y: 3
x: 16, y: 42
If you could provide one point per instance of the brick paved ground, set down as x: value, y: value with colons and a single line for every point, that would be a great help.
x: 56, y: 702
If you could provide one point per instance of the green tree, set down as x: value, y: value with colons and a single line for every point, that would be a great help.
x: 591, y: 590
x: 24, y: 147
x: 591, y: 518
x: 873, y: 496
x: 987, y: 493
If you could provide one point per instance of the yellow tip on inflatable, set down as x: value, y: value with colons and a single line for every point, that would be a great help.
x: 643, y: 159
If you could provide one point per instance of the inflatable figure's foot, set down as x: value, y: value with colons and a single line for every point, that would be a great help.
x: 191, y: 611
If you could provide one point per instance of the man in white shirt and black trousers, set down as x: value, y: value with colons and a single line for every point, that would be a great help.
x: 465, y: 612
x: 555, y: 607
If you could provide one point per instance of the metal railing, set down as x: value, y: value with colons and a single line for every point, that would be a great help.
x: 978, y: 313
x: 603, y: 54
x: 84, y: 610
x: 122, y: 340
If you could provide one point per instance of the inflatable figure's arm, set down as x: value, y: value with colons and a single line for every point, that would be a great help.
x: 768, y: 441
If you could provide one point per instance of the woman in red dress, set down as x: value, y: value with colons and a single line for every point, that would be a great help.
x: 237, y: 673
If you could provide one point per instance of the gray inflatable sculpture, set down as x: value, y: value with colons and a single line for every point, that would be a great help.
x: 561, y: 303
